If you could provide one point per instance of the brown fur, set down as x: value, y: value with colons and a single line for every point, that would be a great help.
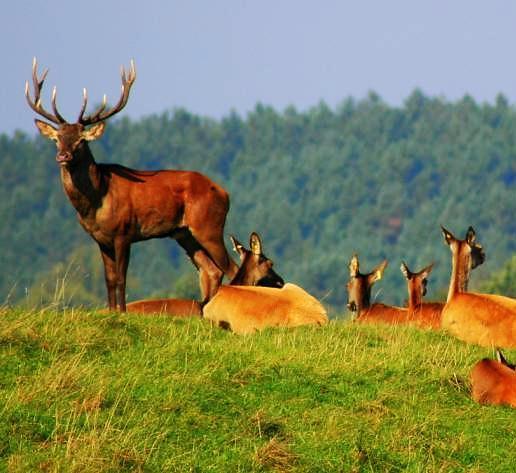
x: 118, y: 206
x: 422, y: 314
x: 427, y: 315
x: 381, y: 313
x: 176, y: 307
x: 255, y: 270
x: 483, y: 319
x: 249, y: 309
x: 493, y: 382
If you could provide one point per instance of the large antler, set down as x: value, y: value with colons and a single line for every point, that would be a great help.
x: 36, y: 103
x: 101, y: 114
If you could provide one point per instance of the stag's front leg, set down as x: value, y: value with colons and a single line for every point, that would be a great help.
x: 108, y: 258
x: 122, y: 255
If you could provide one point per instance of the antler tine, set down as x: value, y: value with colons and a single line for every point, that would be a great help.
x: 100, y: 114
x: 84, y: 103
x: 54, y: 106
x: 36, y: 103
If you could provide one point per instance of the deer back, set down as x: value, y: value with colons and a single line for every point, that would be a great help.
x: 427, y: 315
x: 482, y: 319
x: 249, y: 309
x: 382, y: 313
x: 176, y: 307
x: 492, y: 382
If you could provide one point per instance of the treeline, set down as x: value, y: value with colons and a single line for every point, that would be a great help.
x: 318, y: 185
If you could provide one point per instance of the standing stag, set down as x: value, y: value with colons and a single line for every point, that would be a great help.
x: 119, y: 206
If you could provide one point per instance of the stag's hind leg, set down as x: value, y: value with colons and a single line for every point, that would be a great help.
x: 210, y: 275
x: 212, y: 241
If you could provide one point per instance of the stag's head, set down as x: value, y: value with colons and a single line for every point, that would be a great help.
x: 359, y: 285
x: 70, y: 136
x: 255, y: 267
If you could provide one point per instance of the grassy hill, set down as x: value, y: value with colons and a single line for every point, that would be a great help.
x: 90, y: 392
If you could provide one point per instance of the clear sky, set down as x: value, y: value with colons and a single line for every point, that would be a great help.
x: 212, y: 56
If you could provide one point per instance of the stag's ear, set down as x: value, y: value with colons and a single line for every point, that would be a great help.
x: 255, y: 244
x: 471, y: 236
x: 353, y: 266
x: 46, y: 129
x: 94, y: 132
x: 448, y: 236
x: 377, y: 273
x: 238, y: 247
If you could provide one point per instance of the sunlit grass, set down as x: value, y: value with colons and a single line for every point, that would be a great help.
x: 85, y: 391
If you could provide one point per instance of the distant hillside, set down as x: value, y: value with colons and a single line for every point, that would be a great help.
x: 317, y: 185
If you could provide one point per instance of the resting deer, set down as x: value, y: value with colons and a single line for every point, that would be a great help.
x: 119, y: 206
x: 255, y: 270
x: 494, y: 382
x: 249, y: 309
x: 484, y: 319
x: 423, y: 314
x: 359, y: 296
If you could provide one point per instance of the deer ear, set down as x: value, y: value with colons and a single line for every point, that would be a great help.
x: 404, y: 269
x: 94, y: 132
x: 353, y: 266
x: 425, y: 272
x: 237, y: 247
x: 471, y: 236
x: 377, y: 273
x: 449, y: 238
x: 46, y: 129
x: 255, y: 244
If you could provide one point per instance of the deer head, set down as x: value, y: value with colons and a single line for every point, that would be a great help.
x: 255, y: 267
x: 69, y: 137
x: 417, y: 282
x: 467, y: 254
x: 359, y: 285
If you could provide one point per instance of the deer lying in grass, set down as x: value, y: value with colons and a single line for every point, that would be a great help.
x: 422, y: 314
x: 255, y: 270
x: 118, y: 206
x: 359, y: 296
x: 483, y: 319
x: 494, y: 381
x: 248, y: 309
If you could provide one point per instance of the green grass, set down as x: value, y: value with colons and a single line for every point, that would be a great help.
x: 88, y: 392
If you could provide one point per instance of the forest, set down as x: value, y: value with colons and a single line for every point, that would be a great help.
x: 318, y: 185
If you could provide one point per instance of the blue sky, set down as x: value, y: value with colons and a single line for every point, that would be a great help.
x: 214, y: 56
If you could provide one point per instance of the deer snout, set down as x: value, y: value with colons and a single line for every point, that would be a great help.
x: 352, y: 306
x: 63, y: 157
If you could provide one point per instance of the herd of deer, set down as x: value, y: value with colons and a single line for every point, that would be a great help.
x: 118, y: 206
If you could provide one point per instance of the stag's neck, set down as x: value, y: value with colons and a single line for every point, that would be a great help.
x: 459, y: 276
x: 82, y: 181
